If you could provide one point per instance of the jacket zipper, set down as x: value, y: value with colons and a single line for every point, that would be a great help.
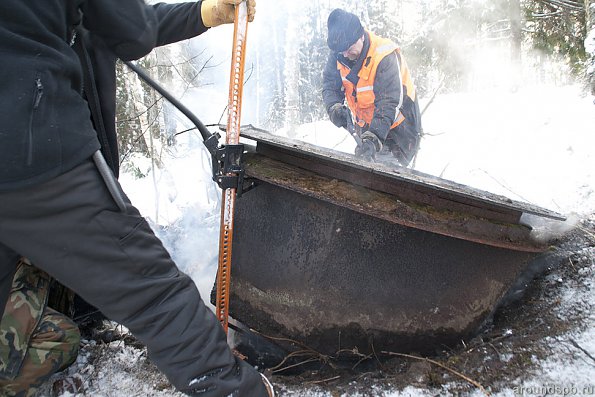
x: 36, y: 101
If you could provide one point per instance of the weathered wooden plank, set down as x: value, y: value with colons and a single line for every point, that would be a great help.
x: 403, y: 183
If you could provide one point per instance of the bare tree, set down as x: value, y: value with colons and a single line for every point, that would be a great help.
x: 590, y: 23
x: 516, y: 39
x: 292, y: 69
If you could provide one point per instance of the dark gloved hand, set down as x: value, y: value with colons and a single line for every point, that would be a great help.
x: 217, y: 12
x: 339, y: 115
x: 369, y: 147
x: 359, y: 130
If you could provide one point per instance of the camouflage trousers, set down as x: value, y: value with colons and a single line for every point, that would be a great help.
x: 35, y: 340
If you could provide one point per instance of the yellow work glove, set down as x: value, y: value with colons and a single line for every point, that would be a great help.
x: 217, y: 12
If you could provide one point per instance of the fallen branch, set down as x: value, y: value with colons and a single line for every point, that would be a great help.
x: 573, y: 342
x: 296, y: 365
x: 436, y: 134
x: 282, y: 339
x: 299, y: 353
x: 323, y: 380
x: 361, y: 360
x: 496, y: 350
x: 586, y: 231
x: 460, y: 375
x: 491, y: 341
x: 355, y: 352
x: 433, y: 95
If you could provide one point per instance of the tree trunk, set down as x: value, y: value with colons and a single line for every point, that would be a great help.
x: 165, y: 76
x: 590, y: 41
x: 515, y: 42
x: 292, y: 70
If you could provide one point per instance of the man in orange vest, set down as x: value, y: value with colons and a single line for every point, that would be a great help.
x: 370, y: 75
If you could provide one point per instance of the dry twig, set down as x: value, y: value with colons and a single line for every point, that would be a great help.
x: 299, y: 353
x: 575, y: 344
x: 296, y: 364
x: 586, y: 231
x: 460, y: 375
x: 323, y: 380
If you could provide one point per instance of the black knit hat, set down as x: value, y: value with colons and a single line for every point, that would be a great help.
x: 344, y: 29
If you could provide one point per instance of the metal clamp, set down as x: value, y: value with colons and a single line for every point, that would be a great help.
x: 227, y: 164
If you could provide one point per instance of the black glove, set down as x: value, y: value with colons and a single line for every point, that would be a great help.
x: 360, y: 129
x: 339, y: 115
x: 369, y: 147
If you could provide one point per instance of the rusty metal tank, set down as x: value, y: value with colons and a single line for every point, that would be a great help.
x: 336, y: 253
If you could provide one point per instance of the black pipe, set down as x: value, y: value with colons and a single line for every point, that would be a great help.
x: 204, y: 131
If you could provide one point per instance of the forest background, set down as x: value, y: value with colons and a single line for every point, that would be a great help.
x: 450, y: 45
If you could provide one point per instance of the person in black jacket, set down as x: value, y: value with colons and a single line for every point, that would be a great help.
x: 175, y: 22
x: 370, y: 74
x: 62, y: 209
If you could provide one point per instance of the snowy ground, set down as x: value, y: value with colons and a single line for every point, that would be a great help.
x: 535, y: 145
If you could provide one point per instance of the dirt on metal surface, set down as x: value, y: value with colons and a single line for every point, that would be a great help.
x: 388, y: 207
x: 334, y: 278
x: 340, y: 254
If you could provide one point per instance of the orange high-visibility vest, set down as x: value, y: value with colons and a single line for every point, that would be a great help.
x: 362, y: 103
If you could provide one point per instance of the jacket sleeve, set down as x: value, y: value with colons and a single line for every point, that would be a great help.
x: 176, y: 22
x: 388, y: 91
x: 332, y: 87
x: 128, y: 27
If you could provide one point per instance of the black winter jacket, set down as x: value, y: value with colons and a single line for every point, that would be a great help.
x: 175, y: 22
x: 45, y: 125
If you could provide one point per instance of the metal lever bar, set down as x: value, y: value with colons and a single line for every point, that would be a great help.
x: 232, y: 138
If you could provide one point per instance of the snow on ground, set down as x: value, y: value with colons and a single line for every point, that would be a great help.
x: 535, y: 145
